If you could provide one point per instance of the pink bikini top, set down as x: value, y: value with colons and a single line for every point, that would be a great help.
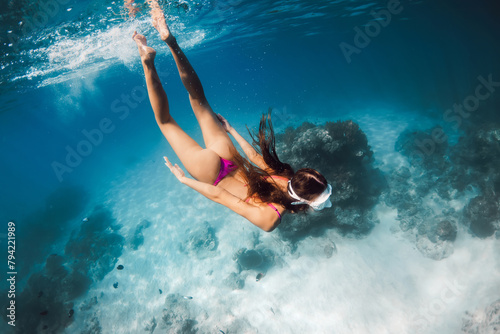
x: 276, y: 177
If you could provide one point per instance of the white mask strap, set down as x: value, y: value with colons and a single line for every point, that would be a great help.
x: 317, y: 204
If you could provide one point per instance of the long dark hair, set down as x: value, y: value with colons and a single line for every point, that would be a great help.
x: 306, y: 182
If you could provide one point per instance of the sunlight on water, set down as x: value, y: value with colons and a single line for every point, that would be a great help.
x: 69, y: 50
x: 59, y: 55
x: 69, y: 57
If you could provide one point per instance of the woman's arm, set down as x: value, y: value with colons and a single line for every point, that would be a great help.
x: 261, y: 216
x: 250, y: 152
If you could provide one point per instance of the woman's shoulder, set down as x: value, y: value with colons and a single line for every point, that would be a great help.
x: 279, y: 177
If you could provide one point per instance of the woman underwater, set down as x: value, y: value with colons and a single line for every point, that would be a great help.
x: 259, y: 187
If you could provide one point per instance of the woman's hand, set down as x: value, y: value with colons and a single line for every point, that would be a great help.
x: 175, y: 169
x: 225, y: 123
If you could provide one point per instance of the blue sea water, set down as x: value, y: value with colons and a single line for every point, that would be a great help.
x: 79, y: 140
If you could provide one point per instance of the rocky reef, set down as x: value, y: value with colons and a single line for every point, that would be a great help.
x: 440, y: 176
x: 137, y: 240
x: 476, y: 158
x: 251, y: 262
x: 482, y: 216
x: 340, y: 151
x: 46, y: 303
x: 177, y: 317
x: 95, y: 249
x: 201, y: 242
x: 485, y: 321
x: 49, y: 224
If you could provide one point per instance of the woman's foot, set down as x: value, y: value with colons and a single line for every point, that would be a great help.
x: 147, y: 53
x: 160, y: 24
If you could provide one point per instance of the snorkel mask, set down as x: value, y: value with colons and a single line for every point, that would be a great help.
x: 323, y: 200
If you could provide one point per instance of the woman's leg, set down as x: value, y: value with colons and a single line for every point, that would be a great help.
x: 214, y: 135
x: 202, y: 164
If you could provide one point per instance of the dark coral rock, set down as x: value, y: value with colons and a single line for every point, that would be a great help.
x: 480, y: 148
x: 443, y: 189
x: 422, y: 229
x: 480, y: 214
x: 54, y: 267
x: 340, y: 151
x: 97, y: 246
x: 433, y: 236
x: 137, y: 239
x: 202, y: 241
x: 89, y: 255
x: 423, y: 185
x: 49, y: 308
x: 406, y: 224
x: 485, y: 321
x: 461, y: 177
x: 401, y: 174
x: 450, y: 173
x: 177, y: 316
x: 249, y: 259
x: 330, y: 250
x: 434, y: 250
x: 476, y: 158
x: 260, y: 259
x: 49, y: 225
x: 75, y: 285
x: 424, y: 148
x: 92, y: 326
x: 151, y: 326
x: 443, y: 230
x: 234, y: 281
x: 89, y: 303
x: 407, y: 205
x: 297, y: 226
x: 354, y: 222
x: 408, y: 208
